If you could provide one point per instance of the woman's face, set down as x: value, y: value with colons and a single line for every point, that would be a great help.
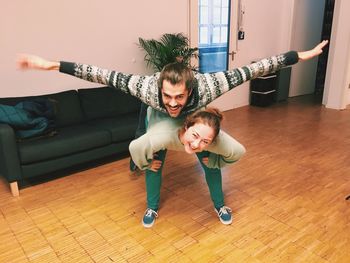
x: 197, y: 138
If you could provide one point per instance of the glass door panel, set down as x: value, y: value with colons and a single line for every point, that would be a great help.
x: 214, y: 28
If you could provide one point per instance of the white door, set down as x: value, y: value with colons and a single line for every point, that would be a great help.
x: 307, y: 29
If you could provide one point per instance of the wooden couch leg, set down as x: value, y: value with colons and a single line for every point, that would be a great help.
x: 14, y: 189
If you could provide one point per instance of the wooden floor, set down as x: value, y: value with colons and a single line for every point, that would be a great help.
x: 287, y: 195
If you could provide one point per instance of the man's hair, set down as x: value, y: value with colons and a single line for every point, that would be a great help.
x: 176, y: 73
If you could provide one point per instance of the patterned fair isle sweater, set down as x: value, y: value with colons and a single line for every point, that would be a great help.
x: 208, y: 86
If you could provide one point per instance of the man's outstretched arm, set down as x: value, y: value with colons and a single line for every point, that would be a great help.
x: 209, y: 86
x: 213, y: 85
x: 144, y: 88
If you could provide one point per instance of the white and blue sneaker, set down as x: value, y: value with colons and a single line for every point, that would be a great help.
x: 149, y: 218
x: 224, y: 214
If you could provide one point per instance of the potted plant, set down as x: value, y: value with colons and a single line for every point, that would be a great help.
x: 170, y: 48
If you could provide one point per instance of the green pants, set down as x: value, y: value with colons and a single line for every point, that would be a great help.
x: 154, y: 182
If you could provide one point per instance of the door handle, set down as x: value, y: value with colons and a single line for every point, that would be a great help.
x: 232, y: 54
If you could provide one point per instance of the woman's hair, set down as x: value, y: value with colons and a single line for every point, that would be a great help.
x: 210, y: 116
x: 177, y: 73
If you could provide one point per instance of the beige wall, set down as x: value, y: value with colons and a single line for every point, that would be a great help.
x: 100, y: 32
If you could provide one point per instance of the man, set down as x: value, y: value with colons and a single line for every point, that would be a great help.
x: 176, y: 94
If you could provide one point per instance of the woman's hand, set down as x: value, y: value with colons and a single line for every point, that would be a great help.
x: 306, y: 55
x: 155, y: 164
x: 26, y: 61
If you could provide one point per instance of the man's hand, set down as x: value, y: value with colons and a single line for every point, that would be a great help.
x: 306, y: 55
x: 205, y: 160
x: 155, y: 164
x: 26, y: 61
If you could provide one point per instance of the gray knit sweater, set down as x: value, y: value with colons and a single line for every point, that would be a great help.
x: 208, y: 86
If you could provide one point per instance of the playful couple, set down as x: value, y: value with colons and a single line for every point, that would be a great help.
x: 177, y: 118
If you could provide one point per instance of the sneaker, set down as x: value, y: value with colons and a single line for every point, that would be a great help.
x: 149, y: 217
x: 224, y: 214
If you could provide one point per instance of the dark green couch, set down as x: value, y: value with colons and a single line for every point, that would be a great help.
x: 90, y: 123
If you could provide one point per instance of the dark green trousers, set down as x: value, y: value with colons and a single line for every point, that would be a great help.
x: 154, y: 182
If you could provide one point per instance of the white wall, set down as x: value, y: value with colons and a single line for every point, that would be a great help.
x: 100, y: 32
x: 306, y: 33
x: 337, y: 94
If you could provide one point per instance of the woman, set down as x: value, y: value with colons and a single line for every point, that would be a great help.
x: 198, y: 133
x: 194, y: 134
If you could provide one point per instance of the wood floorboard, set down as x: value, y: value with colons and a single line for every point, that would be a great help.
x: 287, y: 195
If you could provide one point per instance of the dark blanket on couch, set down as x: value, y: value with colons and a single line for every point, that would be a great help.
x: 29, y: 118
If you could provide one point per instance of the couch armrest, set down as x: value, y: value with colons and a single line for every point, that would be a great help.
x: 9, y: 159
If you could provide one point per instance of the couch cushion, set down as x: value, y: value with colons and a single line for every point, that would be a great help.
x: 68, y: 108
x: 122, y: 128
x: 106, y: 102
x: 69, y: 140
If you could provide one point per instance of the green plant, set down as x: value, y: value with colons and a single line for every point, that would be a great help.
x: 170, y: 48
